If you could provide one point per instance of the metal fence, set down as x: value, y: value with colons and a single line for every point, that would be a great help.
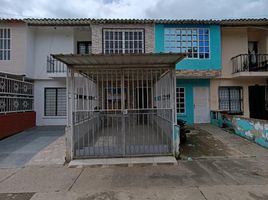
x: 122, y: 112
x: 15, y: 95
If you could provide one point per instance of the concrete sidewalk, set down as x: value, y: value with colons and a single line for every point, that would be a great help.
x: 244, y: 178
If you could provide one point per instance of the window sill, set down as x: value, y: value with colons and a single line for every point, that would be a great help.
x: 54, y: 117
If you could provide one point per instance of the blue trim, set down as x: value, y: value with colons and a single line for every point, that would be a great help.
x: 189, y: 84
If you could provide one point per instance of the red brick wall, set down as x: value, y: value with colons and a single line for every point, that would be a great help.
x: 16, y: 122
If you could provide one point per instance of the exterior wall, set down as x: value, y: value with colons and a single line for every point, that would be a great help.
x: 189, y: 84
x: 97, y: 35
x: 214, y: 62
x: 17, y: 62
x: 244, y: 83
x: 39, y: 98
x: 81, y: 34
x: 259, y: 35
x: 50, y: 40
x: 252, y: 129
x: 234, y: 42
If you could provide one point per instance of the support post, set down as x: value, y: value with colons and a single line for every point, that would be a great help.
x: 70, y: 109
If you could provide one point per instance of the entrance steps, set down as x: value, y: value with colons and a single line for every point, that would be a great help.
x: 134, y: 161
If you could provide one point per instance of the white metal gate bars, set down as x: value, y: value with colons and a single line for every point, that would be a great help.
x: 15, y: 95
x: 122, y: 112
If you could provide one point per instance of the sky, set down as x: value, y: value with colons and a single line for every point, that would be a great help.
x: 149, y: 9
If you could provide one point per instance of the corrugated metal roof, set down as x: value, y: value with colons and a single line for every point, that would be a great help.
x: 120, y: 60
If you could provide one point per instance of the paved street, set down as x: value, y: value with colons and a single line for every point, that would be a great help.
x: 241, y: 173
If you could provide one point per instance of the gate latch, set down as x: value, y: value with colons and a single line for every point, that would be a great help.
x: 124, y: 112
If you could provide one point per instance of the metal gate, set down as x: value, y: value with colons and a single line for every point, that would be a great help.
x: 122, y: 112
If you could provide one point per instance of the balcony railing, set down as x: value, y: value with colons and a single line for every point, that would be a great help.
x: 55, y: 66
x: 250, y: 63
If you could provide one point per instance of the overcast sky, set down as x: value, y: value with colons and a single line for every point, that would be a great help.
x: 172, y: 9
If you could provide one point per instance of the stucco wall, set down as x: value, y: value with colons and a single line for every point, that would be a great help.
x: 234, y: 42
x: 50, y: 40
x: 252, y: 129
x: 81, y: 34
x: 39, y: 98
x: 244, y: 83
x: 17, y: 62
x: 97, y: 35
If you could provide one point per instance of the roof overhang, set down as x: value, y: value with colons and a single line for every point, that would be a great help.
x: 152, y: 60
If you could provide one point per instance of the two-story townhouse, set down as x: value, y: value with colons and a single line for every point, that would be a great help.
x: 202, y: 41
x: 242, y: 87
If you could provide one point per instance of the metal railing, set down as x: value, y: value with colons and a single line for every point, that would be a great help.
x: 15, y: 95
x: 55, y: 66
x: 250, y: 63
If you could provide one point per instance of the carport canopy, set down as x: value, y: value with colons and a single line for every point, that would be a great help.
x: 152, y: 60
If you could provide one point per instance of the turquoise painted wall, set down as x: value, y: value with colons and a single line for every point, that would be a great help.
x: 189, y: 84
x: 214, y: 62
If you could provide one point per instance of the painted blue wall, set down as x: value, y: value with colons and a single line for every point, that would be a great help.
x: 189, y: 84
x: 214, y: 62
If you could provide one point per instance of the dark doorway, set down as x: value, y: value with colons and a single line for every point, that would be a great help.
x: 257, y: 106
x: 253, y: 51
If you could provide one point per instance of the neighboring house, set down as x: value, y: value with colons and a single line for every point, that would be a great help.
x: 242, y: 87
x: 201, y: 39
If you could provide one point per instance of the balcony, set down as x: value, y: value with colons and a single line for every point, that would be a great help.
x: 248, y: 65
x: 55, y: 68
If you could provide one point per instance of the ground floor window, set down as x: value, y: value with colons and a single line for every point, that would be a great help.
x: 180, y: 97
x: 55, y: 101
x: 230, y: 99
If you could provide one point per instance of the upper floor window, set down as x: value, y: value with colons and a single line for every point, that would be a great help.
x: 84, y: 47
x: 117, y: 41
x: 194, y: 41
x: 4, y: 44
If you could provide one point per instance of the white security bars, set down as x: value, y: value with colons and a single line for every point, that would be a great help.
x: 121, y: 112
x: 15, y: 95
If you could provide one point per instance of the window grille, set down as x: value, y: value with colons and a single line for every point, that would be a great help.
x: 55, y: 101
x: 118, y: 41
x: 180, y: 97
x: 230, y: 99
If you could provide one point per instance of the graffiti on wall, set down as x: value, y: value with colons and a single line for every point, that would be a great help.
x: 252, y: 129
